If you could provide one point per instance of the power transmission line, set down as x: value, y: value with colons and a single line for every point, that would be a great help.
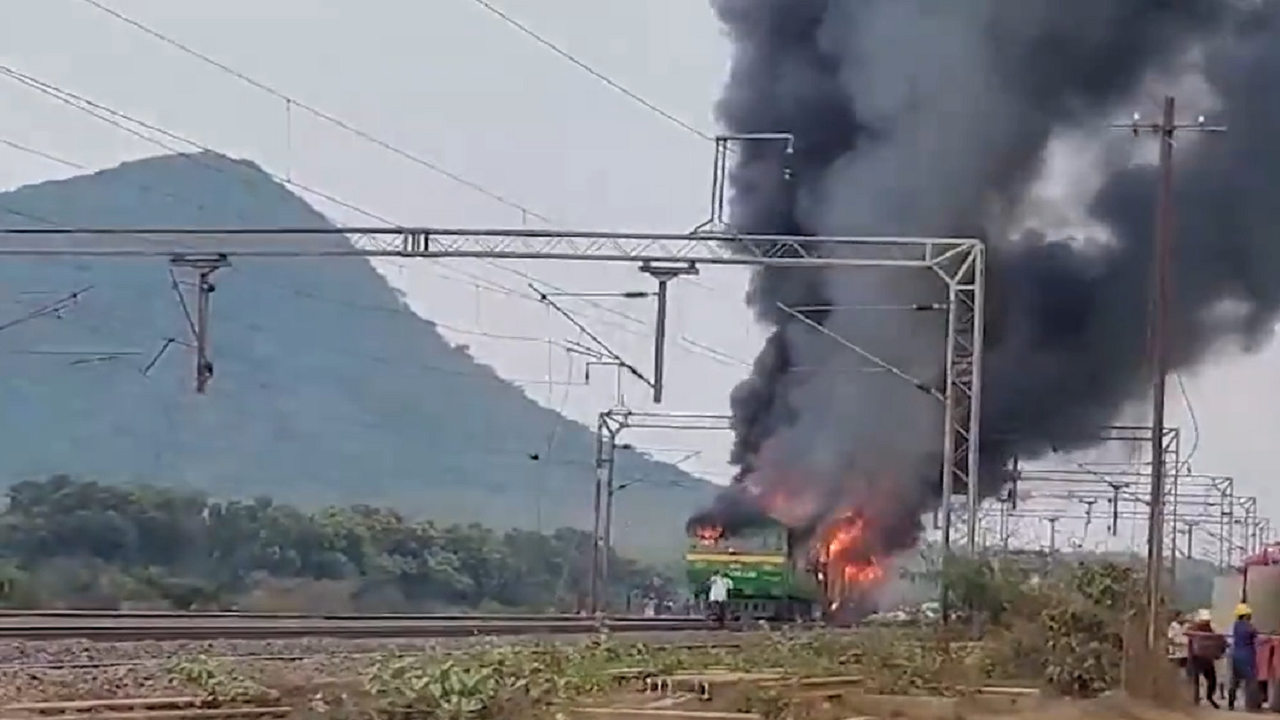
x: 370, y: 137
x: 581, y: 65
x: 20, y: 147
x: 476, y: 282
x: 1161, y: 296
x: 293, y: 102
x: 115, y: 117
x: 89, y: 107
x: 1191, y: 415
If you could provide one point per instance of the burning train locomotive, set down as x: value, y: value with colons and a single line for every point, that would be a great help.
x: 782, y: 574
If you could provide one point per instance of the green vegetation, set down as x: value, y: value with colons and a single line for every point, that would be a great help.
x: 1065, y: 633
x: 500, y: 681
x: 1075, y: 623
x: 65, y: 542
x: 1058, y: 637
x: 924, y: 573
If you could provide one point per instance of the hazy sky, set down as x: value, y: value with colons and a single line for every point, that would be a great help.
x: 453, y: 84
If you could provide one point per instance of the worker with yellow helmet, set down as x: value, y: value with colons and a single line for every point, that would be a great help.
x: 1244, y: 658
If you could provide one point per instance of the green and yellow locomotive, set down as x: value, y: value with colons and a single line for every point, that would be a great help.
x: 770, y: 582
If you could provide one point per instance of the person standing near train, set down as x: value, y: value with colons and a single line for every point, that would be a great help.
x: 1244, y: 659
x: 718, y: 588
x: 1207, y: 647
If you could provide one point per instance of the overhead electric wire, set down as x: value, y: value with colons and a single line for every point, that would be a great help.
x: 52, y: 308
x: 21, y: 147
x: 106, y: 116
x: 710, y: 352
x: 581, y: 65
x: 70, y: 298
x: 186, y: 312
x: 98, y: 110
x: 363, y: 134
x: 1191, y: 415
x: 321, y: 114
x: 475, y: 281
x: 114, y: 117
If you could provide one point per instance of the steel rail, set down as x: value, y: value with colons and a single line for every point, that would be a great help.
x: 155, y: 629
x: 712, y: 643
x: 10, y: 615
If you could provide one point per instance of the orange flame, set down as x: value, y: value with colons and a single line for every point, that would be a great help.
x: 846, y: 567
x: 708, y: 535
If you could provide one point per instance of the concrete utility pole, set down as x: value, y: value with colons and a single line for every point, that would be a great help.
x: 1053, y: 521
x: 1165, y: 129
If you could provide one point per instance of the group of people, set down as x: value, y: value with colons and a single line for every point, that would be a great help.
x: 1196, y: 648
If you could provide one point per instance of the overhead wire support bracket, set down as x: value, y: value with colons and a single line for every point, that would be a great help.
x: 53, y: 308
x: 612, y: 356
x: 725, y: 145
x: 958, y: 262
x: 664, y: 274
x: 204, y: 265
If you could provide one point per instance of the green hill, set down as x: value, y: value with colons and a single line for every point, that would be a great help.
x: 313, y: 402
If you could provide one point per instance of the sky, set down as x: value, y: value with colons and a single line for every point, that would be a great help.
x: 452, y: 84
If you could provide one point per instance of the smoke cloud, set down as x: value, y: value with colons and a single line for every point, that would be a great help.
x: 927, y: 118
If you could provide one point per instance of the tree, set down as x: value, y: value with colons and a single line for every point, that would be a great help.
x: 183, y: 550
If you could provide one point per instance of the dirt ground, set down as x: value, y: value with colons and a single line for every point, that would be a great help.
x: 746, y: 702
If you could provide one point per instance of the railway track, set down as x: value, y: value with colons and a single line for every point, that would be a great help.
x: 128, y: 626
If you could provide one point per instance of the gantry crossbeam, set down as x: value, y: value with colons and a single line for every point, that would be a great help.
x: 499, y: 244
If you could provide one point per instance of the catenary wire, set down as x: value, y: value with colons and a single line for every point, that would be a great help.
x: 52, y: 223
x: 545, y: 460
x: 711, y: 353
x: 581, y: 65
x: 476, y: 282
x: 512, y: 451
x: 1191, y: 415
x: 114, y: 117
x: 292, y: 102
x: 428, y: 366
x: 321, y: 114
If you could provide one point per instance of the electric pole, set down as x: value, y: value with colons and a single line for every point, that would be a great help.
x: 1164, y: 130
x: 204, y: 266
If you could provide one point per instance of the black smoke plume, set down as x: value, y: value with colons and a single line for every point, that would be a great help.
x: 928, y: 118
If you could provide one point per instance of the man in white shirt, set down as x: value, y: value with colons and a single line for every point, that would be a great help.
x: 1178, y: 642
x: 718, y: 588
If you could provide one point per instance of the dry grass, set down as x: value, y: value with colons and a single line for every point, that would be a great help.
x: 1061, y: 638
x: 534, y: 677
